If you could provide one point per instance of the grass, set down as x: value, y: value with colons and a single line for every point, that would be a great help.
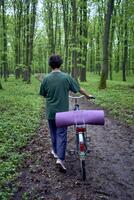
x: 20, y: 107
x: 118, y: 98
x: 20, y: 114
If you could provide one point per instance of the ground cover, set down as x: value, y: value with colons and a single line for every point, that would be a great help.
x: 20, y: 107
x: 109, y: 165
x: 19, y: 118
x: 118, y: 98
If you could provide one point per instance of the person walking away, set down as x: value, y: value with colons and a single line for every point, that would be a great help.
x: 55, y: 88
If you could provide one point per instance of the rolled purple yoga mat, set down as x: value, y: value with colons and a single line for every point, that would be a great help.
x: 92, y: 117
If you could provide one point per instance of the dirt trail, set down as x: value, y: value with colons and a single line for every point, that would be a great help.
x: 110, y: 166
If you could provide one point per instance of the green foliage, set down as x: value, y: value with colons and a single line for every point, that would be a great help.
x: 19, y: 118
x: 118, y: 98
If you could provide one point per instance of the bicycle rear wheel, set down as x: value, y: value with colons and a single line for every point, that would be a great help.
x: 83, y: 169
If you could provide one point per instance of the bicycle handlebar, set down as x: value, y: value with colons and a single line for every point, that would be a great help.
x: 79, y: 97
x: 76, y: 97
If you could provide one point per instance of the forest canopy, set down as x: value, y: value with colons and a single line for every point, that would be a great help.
x: 91, y: 36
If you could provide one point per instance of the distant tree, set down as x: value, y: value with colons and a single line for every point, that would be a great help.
x: 1, y: 85
x: 83, y: 39
x: 74, y: 39
x: 4, y: 53
x: 18, y: 8
x: 125, y: 55
x: 66, y: 31
x: 31, y: 34
x: 49, y: 11
x: 0, y: 57
x: 24, y: 26
x: 118, y: 21
x: 1, y: 48
x: 104, y: 74
x: 111, y: 43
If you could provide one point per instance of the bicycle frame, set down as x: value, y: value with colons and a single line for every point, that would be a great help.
x: 81, y: 144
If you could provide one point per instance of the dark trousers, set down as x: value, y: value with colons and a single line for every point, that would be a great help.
x: 58, y: 138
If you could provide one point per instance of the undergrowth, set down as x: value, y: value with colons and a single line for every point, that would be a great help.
x: 19, y: 119
x: 20, y: 107
x: 117, y: 98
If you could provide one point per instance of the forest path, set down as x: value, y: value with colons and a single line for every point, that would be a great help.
x: 110, y: 165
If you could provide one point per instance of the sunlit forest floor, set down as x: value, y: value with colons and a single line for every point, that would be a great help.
x: 118, y: 98
x: 20, y: 107
x: 25, y: 144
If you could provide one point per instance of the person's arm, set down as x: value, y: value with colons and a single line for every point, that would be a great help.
x: 83, y: 92
x: 75, y: 87
x: 42, y: 91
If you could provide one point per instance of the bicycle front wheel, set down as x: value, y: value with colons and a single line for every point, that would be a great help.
x: 83, y: 169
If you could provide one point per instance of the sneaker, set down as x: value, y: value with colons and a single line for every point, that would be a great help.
x: 61, y: 166
x: 54, y: 154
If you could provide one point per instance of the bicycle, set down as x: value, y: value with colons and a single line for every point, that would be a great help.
x: 80, y: 118
x: 81, y: 138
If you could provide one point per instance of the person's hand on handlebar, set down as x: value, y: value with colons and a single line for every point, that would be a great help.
x: 90, y: 97
x: 82, y: 91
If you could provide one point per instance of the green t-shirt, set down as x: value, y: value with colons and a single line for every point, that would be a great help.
x: 55, y: 88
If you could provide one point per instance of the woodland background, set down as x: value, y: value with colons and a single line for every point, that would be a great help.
x: 91, y: 36
x: 96, y: 41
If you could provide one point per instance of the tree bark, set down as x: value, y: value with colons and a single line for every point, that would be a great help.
x: 51, y: 28
x: 65, y: 21
x: 31, y: 39
x: 85, y: 34
x: 125, y: 53
x: 111, y: 46
x: 1, y: 85
x: 74, y: 41
x: 17, y: 5
x: 125, y: 56
x: 104, y: 74
x: 4, y: 57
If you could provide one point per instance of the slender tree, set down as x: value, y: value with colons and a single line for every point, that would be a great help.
x: 104, y: 74
x: 28, y: 36
x: 125, y: 56
x: 17, y: 5
x: 111, y: 45
x: 0, y: 45
x: 4, y: 55
x: 84, y: 35
x: 50, y: 26
x: 66, y: 31
x: 32, y: 33
x: 74, y: 39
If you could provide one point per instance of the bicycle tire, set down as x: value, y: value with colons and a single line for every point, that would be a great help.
x: 83, y: 169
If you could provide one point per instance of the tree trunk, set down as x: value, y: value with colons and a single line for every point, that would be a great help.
x: 111, y: 46
x: 125, y: 53
x: 1, y: 47
x: 104, y: 74
x: 74, y: 40
x: 85, y: 35
x: 4, y: 57
x: 50, y: 28
x: 125, y: 56
x: 17, y: 43
x: 27, y: 32
x: 17, y: 73
x: 65, y: 21
x: 32, y: 31
x: 24, y: 37
x: 83, y: 74
x: 1, y: 85
x: 80, y: 35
